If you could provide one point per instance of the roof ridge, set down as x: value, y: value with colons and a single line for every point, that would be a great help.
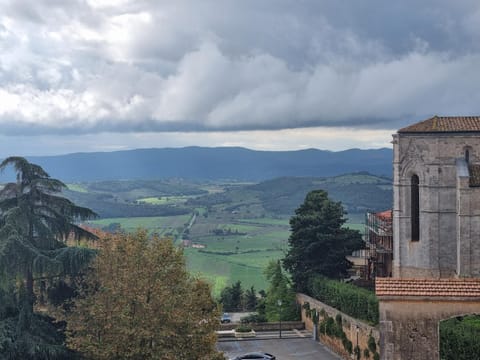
x: 445, y: 124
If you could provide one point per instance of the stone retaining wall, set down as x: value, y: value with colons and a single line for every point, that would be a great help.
x: 350, y: 326
x: 271, y: 326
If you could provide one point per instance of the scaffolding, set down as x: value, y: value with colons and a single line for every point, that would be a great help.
x: 379, y: 244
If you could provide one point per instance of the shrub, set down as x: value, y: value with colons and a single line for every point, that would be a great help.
x: 357, y: 352
x: 347, y: 344
x: 350, y: 299
x: 459, y: 338
x: 253, y: 318
x: 372, y: 345
x: 366, y: 353
x: 376, y: 356
x: 243, y: 329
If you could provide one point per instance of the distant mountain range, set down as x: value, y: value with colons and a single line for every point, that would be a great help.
x: 211, y: 164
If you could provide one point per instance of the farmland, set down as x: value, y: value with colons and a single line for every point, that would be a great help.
x: 230, y: 230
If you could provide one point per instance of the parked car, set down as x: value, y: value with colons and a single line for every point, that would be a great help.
x: 255, y: 355
x: 226, y: 319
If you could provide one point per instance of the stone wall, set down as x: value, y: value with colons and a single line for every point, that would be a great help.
x: 410, y: 327
x: 468, y: 224
x: 433, y: 158
x: 350, y: 326
x: 270, y: 326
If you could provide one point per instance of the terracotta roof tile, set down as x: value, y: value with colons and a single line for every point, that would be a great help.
x: 385, y: 215
x: 428, y: 287
x: 474, y: 171
x: 441, y: 124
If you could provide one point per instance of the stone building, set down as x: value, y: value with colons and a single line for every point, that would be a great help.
x: 437, y: 198
x: 436, y: 235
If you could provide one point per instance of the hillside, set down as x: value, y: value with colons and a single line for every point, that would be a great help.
x: 237, y: 227
x: 211, y: 164
x: 276, y: 197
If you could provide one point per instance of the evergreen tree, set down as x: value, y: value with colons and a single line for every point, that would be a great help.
x: 34, y: 223
x: 250, y: 299
x: 280, y: 302
x: 39, y: 221
x: 231, y: 297
x: 318, y: 242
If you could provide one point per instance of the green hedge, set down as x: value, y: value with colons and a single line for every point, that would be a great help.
x: 349, y: 299
x: 459, y: 338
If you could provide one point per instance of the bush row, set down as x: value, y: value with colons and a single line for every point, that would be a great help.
x: 349, y: 299
x: 459, y: 338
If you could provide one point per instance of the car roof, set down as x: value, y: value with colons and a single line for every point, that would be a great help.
x: 258, y: 353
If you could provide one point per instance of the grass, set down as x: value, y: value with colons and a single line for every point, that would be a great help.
x: 356, y: 226
x: 230, y: 258
x: 267, y: 221
x: 165, y: 200
x: 77, y: 187
x: 221, y: 271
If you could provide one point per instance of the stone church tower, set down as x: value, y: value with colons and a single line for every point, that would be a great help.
x: 436, y: 236
x: 436, y: 218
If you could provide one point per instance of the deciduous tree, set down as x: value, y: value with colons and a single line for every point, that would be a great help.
x: 140, y: 303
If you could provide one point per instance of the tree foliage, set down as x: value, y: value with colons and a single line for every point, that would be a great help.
x: 318, y: 242
x: 459, y: 338
x: 34, y: 223
x: 280, y: 302
x: 231, y: 297
x: 349, y: 299
x: 140, y: 303
x: 234, y: 298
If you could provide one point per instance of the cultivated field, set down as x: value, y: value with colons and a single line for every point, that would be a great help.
x: 231, y: 230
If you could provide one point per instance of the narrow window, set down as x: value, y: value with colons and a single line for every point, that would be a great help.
x: 467, y: 156
x: 415, y: 209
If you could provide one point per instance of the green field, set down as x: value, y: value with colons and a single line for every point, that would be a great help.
x: 221, y: 271
x: 241, y: 226
x: 356, y: 226
x: 78, y: 188
x: 165, y: 200
x: 161, y: 225
x: 225, y: 259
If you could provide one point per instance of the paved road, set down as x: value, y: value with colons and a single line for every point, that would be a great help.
x: 283, y: 349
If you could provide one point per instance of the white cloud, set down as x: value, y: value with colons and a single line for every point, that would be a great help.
x: 143, y: 66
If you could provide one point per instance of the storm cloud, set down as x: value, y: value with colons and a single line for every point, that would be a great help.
x: 191, y: 66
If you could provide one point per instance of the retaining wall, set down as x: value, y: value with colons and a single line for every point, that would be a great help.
x: 350, y: 326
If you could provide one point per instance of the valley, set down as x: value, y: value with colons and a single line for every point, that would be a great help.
x: 229, y: 230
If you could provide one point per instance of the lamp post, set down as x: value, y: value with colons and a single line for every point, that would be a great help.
x: 279, y: 303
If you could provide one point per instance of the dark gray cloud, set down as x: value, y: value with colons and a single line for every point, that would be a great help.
x: 90, y: 66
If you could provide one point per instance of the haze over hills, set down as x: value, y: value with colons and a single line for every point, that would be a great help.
x: 211, y: 164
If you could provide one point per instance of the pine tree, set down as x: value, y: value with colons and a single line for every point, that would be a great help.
x: 318, y: 242
x: 34, y: 223
x: 280, y: 302
x: 39, y: 222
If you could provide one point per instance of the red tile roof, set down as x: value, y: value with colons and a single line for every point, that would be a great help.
x: 384, y: 215
x: 428, y: 287
x: 442, y: 124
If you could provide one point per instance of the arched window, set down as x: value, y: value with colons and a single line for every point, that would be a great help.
x: 415, y: 208
x: 467, y: 155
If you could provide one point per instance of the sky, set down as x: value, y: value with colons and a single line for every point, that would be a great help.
x: 104, y: 75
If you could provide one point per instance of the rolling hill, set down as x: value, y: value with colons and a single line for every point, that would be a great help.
x: 211, y: 164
